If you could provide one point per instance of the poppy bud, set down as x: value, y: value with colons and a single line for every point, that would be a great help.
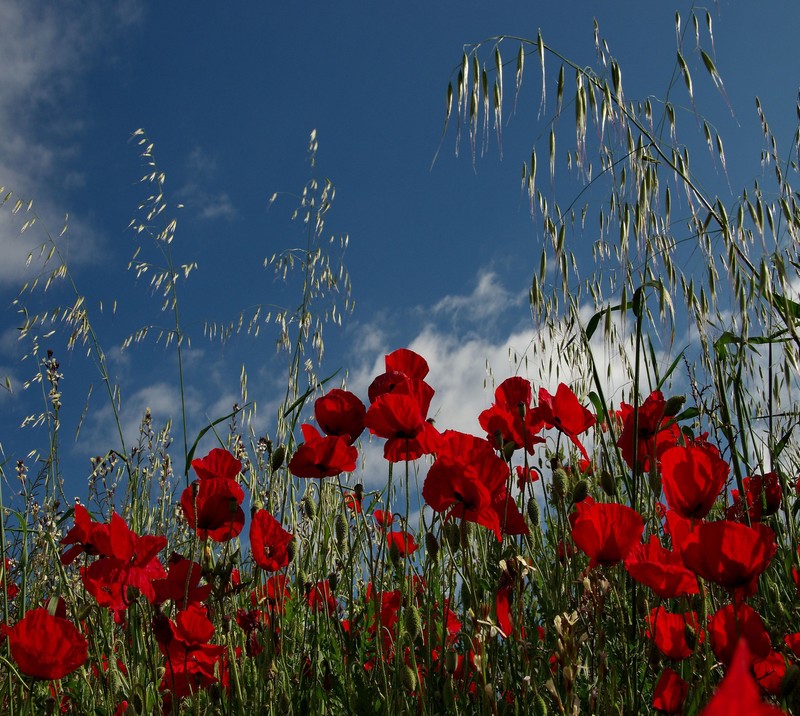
x: 358, y: 490
x: 539, y: 706
x: 340, y: 528
x: 533, y: 511
x: 333, y: 581
x: 413, y: 622
x: 452, y: 534
x: 394, y: 553
x: 408, y: 677
x: 309, y: 506
x: 277, y: 458
x: 654, y: 480
x: 558, y: 487
x: 431, y: 545
x: 291, y: 549
x: 580, y: 491
x: 465, y: 533
x: 608, y: 483
x: 256, y: 506
x: 673, y: 405
x: 450, y: 661
x: 508, y: 449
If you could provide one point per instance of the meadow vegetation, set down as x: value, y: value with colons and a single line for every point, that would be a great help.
x: 576, y: 555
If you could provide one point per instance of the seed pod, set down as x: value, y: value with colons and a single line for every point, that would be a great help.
x: 580, y: 491
x: 340, y: 528
x: 539, y: 706
x: 533, y: 511
x: 277, y: 458
x: 333, y: 581
x: 452, y: 534
x: 558, y: 487
x: 291, y: 549
x: 412, y: 622
x: 654, y: 481
x: 431, y: 545
x: 358, y: 491
x: 450, y: 661
x: 309, y: 506
x: 408, y: 677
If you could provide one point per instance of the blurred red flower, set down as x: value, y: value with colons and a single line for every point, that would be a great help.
x: 273, y: 594
x: 320, y: 598
x: 269, y: 542
x: 606, y: 532
x: 692, y: 478
x: 762, y: 497
x: 319, y: 456
x: 769, y: 672
x: 340, y: 413
x: 182, y: 583
x: 670, y: 692
x: 731, y: 624
x: 564, y: 412
x: 401, y: 542
x: 730, y: 554
x: 86, y: 536
x: 383, y: 518
x: 738, y: 693
x: 45, y: 646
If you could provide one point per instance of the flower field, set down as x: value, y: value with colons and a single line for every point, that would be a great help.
x: 587, y: 548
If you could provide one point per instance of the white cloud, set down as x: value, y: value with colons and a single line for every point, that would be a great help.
x: 488, y: 300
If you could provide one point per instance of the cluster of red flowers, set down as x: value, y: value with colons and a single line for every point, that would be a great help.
x: 696, y: 543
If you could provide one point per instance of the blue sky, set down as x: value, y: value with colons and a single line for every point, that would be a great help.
x: 440, y: 256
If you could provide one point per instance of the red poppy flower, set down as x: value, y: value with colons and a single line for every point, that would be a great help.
x: 401, y: 365
x: 661, y: 570
x: 762, y: 497
x: 212, y: 503
x: 320, y: 598
x: 651, y: 436
x: 269, y: 542
x: 12, y: 589
x: 86, y: 536
x: 273, y: 594
x: 730, y: 554
x: 322, y: 456
x: 738, y: 693
x: 353, y: 502
x: 47, y: 647
x: 132, y: 562
x: 510, y: 420
x: 401, y: 417
x: 564, y: 412
x: 730, y: 624
x: 670, y: 692
x: 692, y: 478
x: 793, y: 642
x: 526, y: 476
x: 190, y: 659
x: 340, y: 413
x: 669, y: 633
x: 401, y: 542
x: 212, y: 507
x: 182, y: 583
x: 769, y: 672
x: 606, y: 532
x: 383, y: 518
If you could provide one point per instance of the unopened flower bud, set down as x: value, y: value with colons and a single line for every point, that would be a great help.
x: 412, y: 622
x: 450, y: 661
x: 580, y: 491
x: 673, y: 405
x: 309, y: 506
x: 408, y: 677
x: 291, y: 549
x: 431, y: 545
x: 539, y: 706
x: 340, y: 528
x: 333, y: 581
x: 608, y: 483
x: 452, y: 534
x: 533, y: 511
x: 277, y: 458
x: 559, y: 484
x: 358, y: 491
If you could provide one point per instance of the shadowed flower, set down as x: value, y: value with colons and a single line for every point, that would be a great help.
x: 606, y: 532
x: 731, y: 624
x: 669, y: 633
x: 401, y: 543
x: 511, y: 420
x: 340, y: 413
x: 692, y: 478
x: 670, y: 692
x: 320, y: 456
x: 730, y: 554
x: 401, y: 365
x: 47, y: 647
x: 650, y: 437
x: 269, y: 542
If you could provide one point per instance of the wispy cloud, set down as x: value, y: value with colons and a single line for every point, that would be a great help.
x: 198, y: 194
